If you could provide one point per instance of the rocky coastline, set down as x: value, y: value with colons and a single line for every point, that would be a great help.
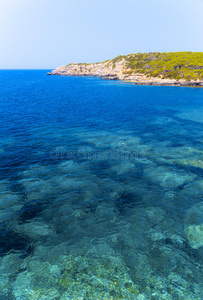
x: 119, y: 71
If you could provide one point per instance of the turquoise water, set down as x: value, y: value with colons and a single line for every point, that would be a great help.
x: 101, y: 189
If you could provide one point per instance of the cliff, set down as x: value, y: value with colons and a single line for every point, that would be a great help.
x: 175, y: 68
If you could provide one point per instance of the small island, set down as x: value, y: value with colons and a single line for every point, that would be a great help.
x: 154, y: 68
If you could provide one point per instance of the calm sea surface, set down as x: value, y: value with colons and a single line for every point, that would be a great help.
x: 101, y: 189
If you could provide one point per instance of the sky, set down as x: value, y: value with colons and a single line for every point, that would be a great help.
x: 44, y: 34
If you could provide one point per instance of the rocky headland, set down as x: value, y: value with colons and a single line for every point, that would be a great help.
x: 144, y: 69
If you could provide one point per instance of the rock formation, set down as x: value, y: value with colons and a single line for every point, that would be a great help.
x: 119, y: 69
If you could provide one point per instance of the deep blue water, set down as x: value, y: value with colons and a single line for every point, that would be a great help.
x: 101, y: 189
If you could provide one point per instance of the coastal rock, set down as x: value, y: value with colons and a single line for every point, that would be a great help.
x: 136, y: 68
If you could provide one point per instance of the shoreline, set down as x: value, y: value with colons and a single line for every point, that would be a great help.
x: 147, y: 82
x: 119, y: 70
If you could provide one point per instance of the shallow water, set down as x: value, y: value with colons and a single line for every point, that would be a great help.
x: 101, y: 189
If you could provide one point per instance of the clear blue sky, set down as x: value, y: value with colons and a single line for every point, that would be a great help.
x: 50, y: 33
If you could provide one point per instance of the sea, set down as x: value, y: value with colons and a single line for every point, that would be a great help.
x: 101, y: 189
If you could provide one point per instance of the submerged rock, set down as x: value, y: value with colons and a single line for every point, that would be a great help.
x: 194, y: 225
x: 92, y: 276
x: 10, y: 205
x: 98, y: 278
x: 35, y: 229
x: 9, y: 265
x: 167, y: 177
x: 194, y: 215
x: 123, y: 167
x: 195, y: 235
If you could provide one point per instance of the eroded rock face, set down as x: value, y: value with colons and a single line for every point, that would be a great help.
x: 103, y: 69
x: 117, y: 71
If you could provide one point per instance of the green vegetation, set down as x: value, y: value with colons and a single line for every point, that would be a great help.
x: 117, y: 59
x: 174, y: 65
